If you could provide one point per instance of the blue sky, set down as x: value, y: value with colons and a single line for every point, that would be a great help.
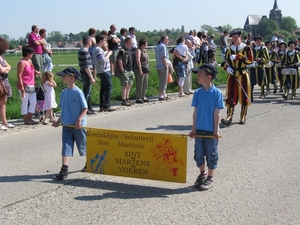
x: 76, y: 16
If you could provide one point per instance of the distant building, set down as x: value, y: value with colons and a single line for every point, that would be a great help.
x: 275, y: 13
x: 252, y: 21
x: 297, y: 32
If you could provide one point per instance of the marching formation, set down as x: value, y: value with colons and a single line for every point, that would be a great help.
x: 275, y: 62
x: 255, y: 62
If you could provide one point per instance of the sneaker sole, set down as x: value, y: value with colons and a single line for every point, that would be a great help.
x: 204, y: 188
x: 60, y: 178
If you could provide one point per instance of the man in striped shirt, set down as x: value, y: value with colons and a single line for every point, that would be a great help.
x: 86, y: 68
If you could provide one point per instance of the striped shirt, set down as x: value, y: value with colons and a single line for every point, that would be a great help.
x: 84, y: 59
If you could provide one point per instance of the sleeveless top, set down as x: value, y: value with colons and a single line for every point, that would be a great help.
x: 28, y: 74
x: 144, y: 59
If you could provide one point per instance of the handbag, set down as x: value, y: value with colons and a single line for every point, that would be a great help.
x: 170, y: 78
x: 29, y: 88
x: 3, y: 90
x: 145, y: 70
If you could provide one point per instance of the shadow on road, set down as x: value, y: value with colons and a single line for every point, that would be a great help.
x: 126, y: 191
x: 115, y: 190
x: 36, y: 178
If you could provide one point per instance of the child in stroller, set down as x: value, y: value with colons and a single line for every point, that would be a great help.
x: 39, y: 109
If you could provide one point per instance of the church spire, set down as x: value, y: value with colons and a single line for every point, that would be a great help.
x: 275, y: 5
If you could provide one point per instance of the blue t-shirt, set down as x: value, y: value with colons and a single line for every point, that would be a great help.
x: 72, y: 102
x: 206, y: 101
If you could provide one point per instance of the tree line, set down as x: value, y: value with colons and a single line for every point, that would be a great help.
x: 266, y: 28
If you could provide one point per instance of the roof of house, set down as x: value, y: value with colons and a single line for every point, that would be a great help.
x: 253, y: 19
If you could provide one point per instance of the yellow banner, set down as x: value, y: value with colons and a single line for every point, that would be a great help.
x: 137, y: 154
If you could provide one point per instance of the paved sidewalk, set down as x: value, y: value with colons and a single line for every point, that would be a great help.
x: 256, y: 182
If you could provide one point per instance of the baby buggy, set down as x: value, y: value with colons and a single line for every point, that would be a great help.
x: 39, y: 109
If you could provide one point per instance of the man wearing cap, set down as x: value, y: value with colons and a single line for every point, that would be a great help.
x: 291, y: 80
x: 73, y: 117
x: 207, y: 102
x: 270, y: 66
x: 238, y: 89
x: 282, y: 55
x: 261, y: 56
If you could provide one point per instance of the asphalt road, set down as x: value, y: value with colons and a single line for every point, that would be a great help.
x: 257, y: 180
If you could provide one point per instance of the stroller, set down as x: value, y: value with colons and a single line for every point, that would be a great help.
x: 40, y: 95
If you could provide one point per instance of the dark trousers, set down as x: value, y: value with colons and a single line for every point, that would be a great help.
x: 87, y: 88
x: 106, y: 89
x: 204, y: 57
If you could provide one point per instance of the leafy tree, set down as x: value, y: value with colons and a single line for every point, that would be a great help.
x: 182, y: 29
x: 13, y: 43
x: 206, y: 27
x: 22, y: 41
x: 6, y: 37
x: 227, y: 27
x: 55, y: 36
x: 288, y: 23
x: 71, y: 37
x: 220, y: 28
x: 267, y: 27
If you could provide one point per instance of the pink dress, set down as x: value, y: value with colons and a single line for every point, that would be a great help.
x: 49, y: 102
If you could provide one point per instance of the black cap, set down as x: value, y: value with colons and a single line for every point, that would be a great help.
x: 209, y: 68
x: 291, y: 42
x: 239, y: 32
x: 267, y: 42
x: 258, y: 37
x: 70, y: 71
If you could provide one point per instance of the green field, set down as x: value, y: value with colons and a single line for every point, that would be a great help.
x: 63, y: 59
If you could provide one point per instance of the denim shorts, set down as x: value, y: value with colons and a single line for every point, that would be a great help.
x: 71, y: 135
x: 208, y: 148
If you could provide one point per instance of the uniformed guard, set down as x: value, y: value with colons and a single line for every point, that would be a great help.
x: 282, y: 55
x: 238, y: 89
x: 291, y: 72
x: 261, y: 56
x: 270, y: 66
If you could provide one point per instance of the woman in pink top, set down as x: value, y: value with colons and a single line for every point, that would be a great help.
x: 26, y: 85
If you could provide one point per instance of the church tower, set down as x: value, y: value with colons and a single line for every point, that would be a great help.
x: 275, y: 13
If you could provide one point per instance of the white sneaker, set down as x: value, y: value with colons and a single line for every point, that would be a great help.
x: 3, y: 127
x: 9, y: 125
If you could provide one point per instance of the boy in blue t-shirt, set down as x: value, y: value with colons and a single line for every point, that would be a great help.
x: 207, y: 102
x: 73, y: 116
